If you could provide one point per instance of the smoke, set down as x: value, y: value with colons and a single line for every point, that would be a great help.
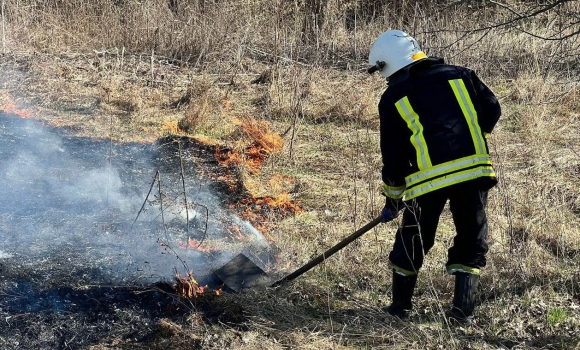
x: 92, y: 208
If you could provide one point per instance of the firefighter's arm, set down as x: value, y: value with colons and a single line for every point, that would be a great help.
x: 395, y: 162
x: 490, y: 108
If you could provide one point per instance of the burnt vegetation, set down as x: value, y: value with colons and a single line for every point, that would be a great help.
x: 269, y: 102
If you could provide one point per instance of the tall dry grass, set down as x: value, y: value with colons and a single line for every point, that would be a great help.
x: 231, y: 36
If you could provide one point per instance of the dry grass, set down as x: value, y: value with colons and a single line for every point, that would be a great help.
x: 135, y: 71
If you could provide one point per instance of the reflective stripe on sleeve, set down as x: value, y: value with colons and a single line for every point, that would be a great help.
x: 469, y: 113
x: 447, y: 167
x: 395, y: 192
x: 417, y: 138
x: 449, y: 180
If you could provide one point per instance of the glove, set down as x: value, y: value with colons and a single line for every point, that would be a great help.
x: 391, y: 210
x: 388, y: 214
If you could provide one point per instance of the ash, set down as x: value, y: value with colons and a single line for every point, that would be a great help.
x: 90, y: 227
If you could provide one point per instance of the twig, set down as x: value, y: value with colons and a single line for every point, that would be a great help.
x: 152, y: 62
x: 161, y: 203
x: 518, y: 17
x: 110, y: 145
x: 267, y: 54
x: 298, y: 110
x: 3, y: 29
x: 184, y: 192
x: 206, y: 223
x: 573, y: 150
x: 145, y: 201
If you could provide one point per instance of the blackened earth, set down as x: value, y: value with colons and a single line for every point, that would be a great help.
x: 90, y: 233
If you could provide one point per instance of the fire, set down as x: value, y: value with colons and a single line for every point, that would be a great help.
x: 235, y: 233
x: 258, y: 208
x: 8, y: 106
x: 195, y: 244
x: 226, y: 104
x: 282, y: 202
x: 232, y: 157
x: 258, y: 221
x: 188, y: 287
x: 264, y: 143
x: 206, y: 140
x: 171, y: 127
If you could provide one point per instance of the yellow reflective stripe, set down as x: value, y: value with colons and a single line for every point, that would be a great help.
x: 453, y: 268
x: 402, y: 271
x: 469, y: 113
x: 394, y: 192
x: 454, y: 165
x: 449, y: 180
x: 417, y: 138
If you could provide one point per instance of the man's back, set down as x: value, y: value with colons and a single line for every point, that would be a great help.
x: 434, y: 114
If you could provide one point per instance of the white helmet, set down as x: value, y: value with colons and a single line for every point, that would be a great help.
x: 393, y: 50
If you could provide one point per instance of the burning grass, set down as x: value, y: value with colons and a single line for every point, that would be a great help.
x: 193, y: 243
x: 282, y: 203
x: 261, y: 211
x: 263, y: 143
x: 188, y: 287
x: 9, y: 106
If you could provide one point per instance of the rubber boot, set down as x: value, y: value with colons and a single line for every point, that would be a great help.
x: 464, y: 296
x: 403, y: 287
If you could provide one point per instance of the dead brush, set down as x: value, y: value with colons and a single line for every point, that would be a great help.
x: 532, y: 216
x: 203, y: 106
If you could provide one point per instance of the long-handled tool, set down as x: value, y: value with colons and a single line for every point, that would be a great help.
x: 242, y: 273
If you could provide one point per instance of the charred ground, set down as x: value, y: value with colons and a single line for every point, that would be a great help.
x: 66, y: 280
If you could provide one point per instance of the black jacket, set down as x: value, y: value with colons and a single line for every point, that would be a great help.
x: 434, y: 119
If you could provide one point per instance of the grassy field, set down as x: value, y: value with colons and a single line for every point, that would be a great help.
x: 138, y: 70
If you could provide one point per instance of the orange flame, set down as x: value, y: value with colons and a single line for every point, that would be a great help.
x: 8, y: 106
x: 283, y: 202
x: 236, y: 233
x: 264, y: 143
x: 195, y: 244
x: 258, y: 208
x: 188, y: 287
x: 232, y: 157
x: 171, y: 127
x: 257, y: 220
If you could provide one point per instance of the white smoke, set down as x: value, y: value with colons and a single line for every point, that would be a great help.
x: 95, y: 201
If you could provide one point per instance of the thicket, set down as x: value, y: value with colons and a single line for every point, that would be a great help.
x: 503, y: 38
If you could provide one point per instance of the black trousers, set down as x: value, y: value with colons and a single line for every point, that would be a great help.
x: 416, y: 237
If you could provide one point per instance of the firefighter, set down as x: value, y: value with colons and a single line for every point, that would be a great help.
x: 434, y: 120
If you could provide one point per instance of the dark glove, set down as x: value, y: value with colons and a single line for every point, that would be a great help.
x: 391, y: 209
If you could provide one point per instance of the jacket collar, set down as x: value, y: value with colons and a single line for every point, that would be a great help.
x: 414, y: 68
